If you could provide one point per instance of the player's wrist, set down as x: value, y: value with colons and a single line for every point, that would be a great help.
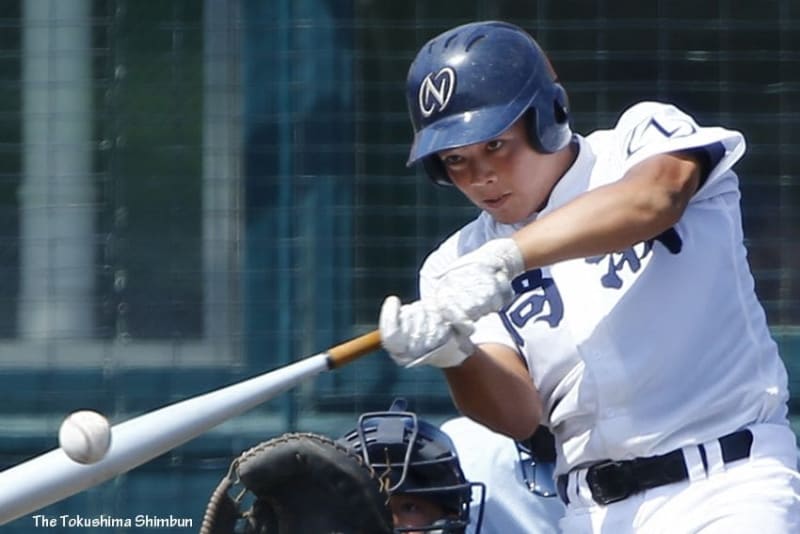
x: 510, y: 255
x: 452, y: 353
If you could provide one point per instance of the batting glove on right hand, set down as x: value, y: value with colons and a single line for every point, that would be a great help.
x: 479, y: 283
x: 417, y: 334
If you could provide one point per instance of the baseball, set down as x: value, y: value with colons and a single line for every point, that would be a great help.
x: 85, y: 436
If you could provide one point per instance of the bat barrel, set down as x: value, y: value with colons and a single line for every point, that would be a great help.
x: 52, y: 476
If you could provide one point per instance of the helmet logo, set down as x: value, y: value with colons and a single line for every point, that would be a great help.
x: 436, y: 90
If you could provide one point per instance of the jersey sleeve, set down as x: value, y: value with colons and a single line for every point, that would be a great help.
x: 650, y: 128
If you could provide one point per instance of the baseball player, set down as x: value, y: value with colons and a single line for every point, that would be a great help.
x: 628, y: 322
x: 421, y: 470
x: 518, y: 477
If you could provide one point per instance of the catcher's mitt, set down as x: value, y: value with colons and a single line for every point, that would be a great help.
x: 299, y: 483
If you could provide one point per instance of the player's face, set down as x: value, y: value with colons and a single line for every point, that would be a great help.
x: 410, y: 511
x: 505, y: 176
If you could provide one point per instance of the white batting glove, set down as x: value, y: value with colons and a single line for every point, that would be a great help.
x: 478, y: 283
x: 416, y: 334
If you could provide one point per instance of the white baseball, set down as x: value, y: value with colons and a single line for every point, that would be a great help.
x: 85, y: 436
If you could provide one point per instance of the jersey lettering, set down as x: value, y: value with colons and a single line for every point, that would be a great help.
x: 633, y: 259
x: 537, y: 295
x: 538, y: 298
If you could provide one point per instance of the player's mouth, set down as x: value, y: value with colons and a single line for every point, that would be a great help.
x: 496, y: 202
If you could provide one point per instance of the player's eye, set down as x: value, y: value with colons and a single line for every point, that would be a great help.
x: 453, y: 160
x: 495, y: 144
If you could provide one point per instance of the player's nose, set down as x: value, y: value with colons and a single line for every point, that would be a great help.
x: 482, y: 172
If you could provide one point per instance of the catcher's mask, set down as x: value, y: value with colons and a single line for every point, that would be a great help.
x: 414, y: 457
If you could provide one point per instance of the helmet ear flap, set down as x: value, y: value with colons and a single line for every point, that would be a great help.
x: 435, y: 170
x: 533, y: 129
x: 561, y: 106
x: 548, y: 122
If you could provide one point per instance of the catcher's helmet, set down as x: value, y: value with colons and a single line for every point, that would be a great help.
x: 416, y: 458
x: 471, y: 83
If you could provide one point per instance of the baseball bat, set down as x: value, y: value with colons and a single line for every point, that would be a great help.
x: 53, y: 476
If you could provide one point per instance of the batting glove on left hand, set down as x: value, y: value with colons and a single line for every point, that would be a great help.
x: 478, y: 283
x: 417, y: 334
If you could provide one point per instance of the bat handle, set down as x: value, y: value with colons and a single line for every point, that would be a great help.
x: 355, y: 348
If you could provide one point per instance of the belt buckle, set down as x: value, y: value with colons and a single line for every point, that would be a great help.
x: 610, y: 481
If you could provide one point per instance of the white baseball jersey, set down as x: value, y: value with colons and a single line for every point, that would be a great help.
x: 652, y: 348
x: 491, y: 458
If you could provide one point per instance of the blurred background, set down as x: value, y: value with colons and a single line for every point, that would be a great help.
x: 196, y: 191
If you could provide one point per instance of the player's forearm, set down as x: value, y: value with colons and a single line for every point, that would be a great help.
x: 497, y: 393
x: 648, y: 201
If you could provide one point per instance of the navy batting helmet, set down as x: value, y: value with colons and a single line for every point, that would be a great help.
x: 471, y: 83
x: 415, y: 457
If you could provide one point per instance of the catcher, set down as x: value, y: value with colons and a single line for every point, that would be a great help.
x: 419, y: 466
x: 392, y: 473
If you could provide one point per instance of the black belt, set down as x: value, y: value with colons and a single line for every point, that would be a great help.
x: 613, y: 481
